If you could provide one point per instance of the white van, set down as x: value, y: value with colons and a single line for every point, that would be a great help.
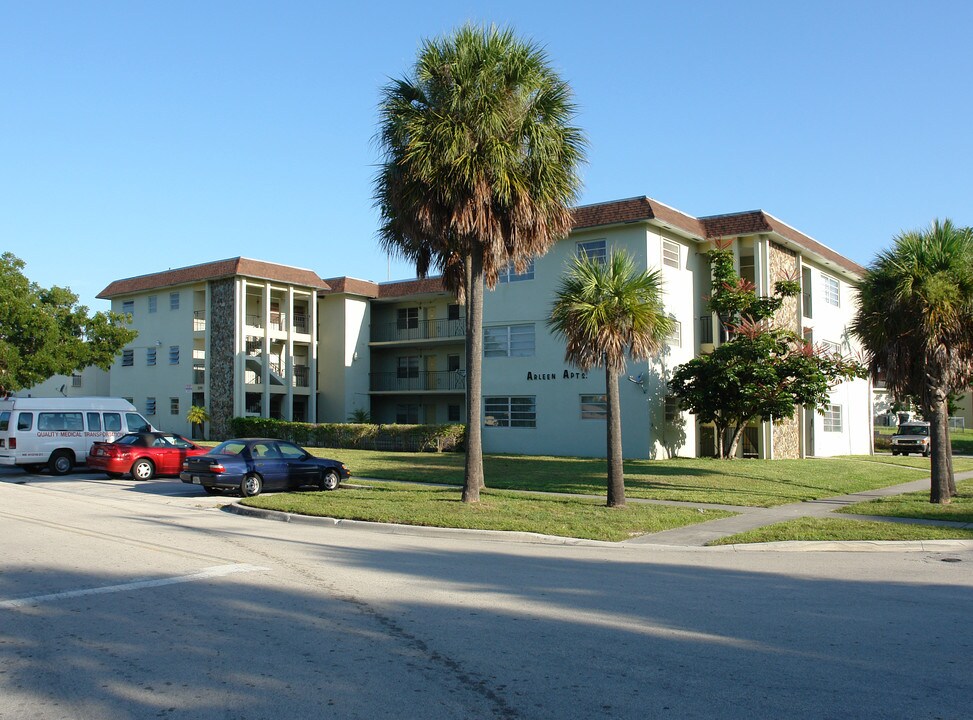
x: 58, y: 432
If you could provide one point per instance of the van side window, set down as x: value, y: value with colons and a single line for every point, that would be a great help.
x: 4, y: 420
x: 60, y: 421
x: 94, y: 421
x: 25, y: 421
x: 136, y: 423
x: 113, y: 422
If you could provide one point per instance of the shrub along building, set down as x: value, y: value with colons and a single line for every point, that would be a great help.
x: 262, y: 345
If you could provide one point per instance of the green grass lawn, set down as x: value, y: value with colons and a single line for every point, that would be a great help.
x: 754, y: 483
x: 497, y: 510
x: 917, y: 505
x: 841, y: 529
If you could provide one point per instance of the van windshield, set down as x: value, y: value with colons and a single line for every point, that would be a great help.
x: 913, y: 430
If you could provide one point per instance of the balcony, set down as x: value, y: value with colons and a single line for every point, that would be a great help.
x: 199, y: 320
x: 419, y: 330
x: 426, y: 381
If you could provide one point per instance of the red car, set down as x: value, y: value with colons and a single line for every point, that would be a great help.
x: 144, y: 455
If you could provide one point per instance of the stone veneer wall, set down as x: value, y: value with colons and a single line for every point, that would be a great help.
x: 222, y: 321
x: 783, y: 266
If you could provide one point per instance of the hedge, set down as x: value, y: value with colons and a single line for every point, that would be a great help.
x: 405, y: 438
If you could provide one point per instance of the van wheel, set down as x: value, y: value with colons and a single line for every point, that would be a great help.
x: 143, y: 469
x: 61, y: 462
x: 251, y: 485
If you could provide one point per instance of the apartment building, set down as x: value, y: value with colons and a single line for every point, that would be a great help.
x: 242, y: 337
x: 237, y: 336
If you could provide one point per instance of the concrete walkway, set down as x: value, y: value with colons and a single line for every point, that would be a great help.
x: 750, y: 518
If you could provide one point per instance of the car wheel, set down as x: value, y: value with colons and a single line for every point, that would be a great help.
x: 251, y: 485
x: 61, y: 462
x: 143, y: 469
x: 213, y: 490
x: 329, y: 480
x: 894, y: 453
x: 113, y: 475
x: 925, y: 453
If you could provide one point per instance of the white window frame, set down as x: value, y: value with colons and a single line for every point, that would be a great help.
x: 150, y: 406
x: 509, y: 340
x: 595, y: 249
x: 832, y: 419
x: 76, y: 380
x: 671, y: 254
x: 407, y: 318
x: 128, y: 307
x: 509, y: 274
x: 675, y: 337
x: 831, y: 292
x: 174, y: 406
x: 594, y: 407
x: 153, y: 303
x: 151, y: 356
x: 173, y: 354
x: 174, y: 301
x: 671, y: 408
x: 510, y: 411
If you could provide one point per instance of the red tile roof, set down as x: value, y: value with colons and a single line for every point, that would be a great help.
x: 212, y: 271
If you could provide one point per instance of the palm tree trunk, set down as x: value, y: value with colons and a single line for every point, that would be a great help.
x: 473, y: 473
x: 616, y: 472
x: 940, y: 469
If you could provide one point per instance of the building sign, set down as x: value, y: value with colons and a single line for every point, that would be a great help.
x: 566, y: 375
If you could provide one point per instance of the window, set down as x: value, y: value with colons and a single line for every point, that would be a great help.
x: 675, y: 337
x: 670, y: 253
x: 153, y: 303
x: 508, y: 341
x: 173, y: 301
x: 705, y: 328
x: 4, y: 420
x: 150, y: 406
x: 173, y: 406
x: 513, y: 412
x: 832, y: 290
x: 128, y: 307
x: 748, y: 269
x: 671, y: 408
x: 113, y: 421
x: 452, y: 363
x: 76, y: 380
x: 72, y: 421
x: 407, y: 414
x: 94, y: 422
x: 453, y: 413
x: 136, y: 423
x: 407, y: 367
x: 509, y: 274
x: 452, y: 312
x: 173, y: 354
x: 595, y: 249
x: 832, y: 418
x: 150, y: 356
x: 25, y: 421
x: 128, y: 358
x: 407, y: 318
x: 594, y: 407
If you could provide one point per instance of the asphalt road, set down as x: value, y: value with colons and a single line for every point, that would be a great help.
x: 121, y: 599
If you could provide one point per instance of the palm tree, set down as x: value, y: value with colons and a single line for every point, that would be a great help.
x: 480, y: 170
x: 603, y: 310
x: 915, y: 321
x: 196, y: 416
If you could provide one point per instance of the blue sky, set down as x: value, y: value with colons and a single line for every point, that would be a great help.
x: 138, y: 136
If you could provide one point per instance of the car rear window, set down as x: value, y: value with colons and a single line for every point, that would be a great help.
x: 230, y: 447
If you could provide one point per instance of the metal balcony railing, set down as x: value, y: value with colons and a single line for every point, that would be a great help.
x: 199, y: 376
x: 419, y: 330
x: 302, y: 376
x: 199, y: 320
x: 418, y: 382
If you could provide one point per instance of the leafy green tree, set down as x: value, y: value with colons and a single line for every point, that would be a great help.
x: 915, y: 320
x: 44, y: 332
x: 761, y: 371
x: 605, y: 311
x: 480, y: 170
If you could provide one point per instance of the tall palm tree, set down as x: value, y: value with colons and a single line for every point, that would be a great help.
x: 603, y: 310
x: 480, y: 170
x: 915, y: 321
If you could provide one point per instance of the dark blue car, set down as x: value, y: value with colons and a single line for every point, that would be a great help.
x: 252, y: 465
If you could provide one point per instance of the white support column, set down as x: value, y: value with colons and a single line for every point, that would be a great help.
x: 265, y: 343
x: 289, y: 361
x: 240, y: 347
x: 312, y: 400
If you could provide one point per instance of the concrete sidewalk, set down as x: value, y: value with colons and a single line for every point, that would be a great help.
x: 751, y: 518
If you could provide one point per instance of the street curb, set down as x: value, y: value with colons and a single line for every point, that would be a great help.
x: 539, y: 539
x: 422, y: 530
